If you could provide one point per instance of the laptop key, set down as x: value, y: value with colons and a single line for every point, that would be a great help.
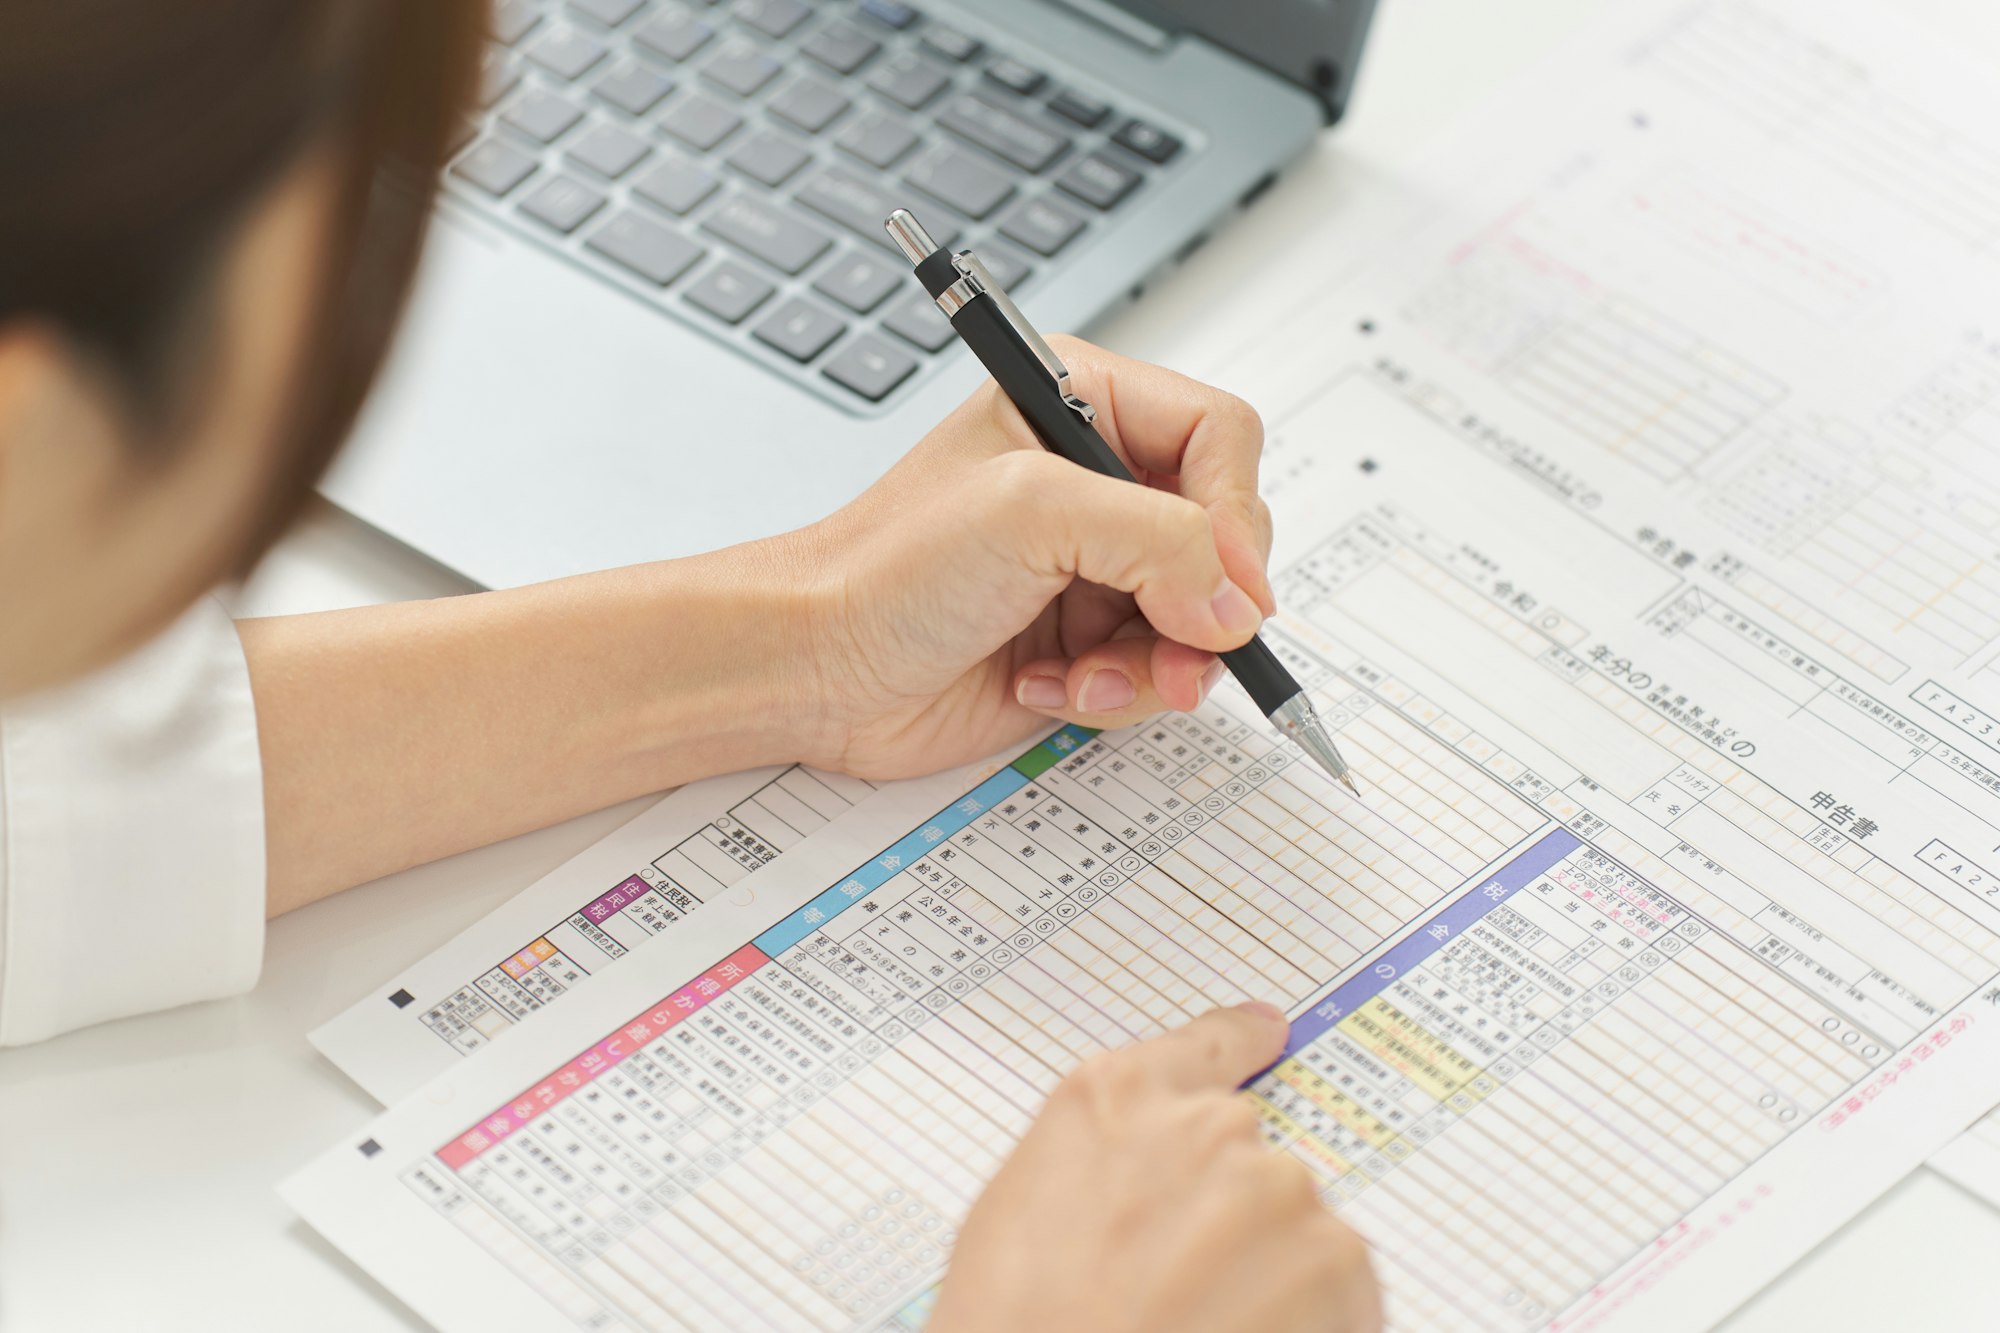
x: 541, y: 115
x: 840, y: 48
x: 700, y: 122
x: 1016, y: 77
x: 870, y: 367
x: 951, y: 44
x: 860, y: 281
x: 764, y: 231
x: 799, y: 329
x: 1041, y: 226
x: 563, y: 203
x: 740, y: 68
x: 609, y: 150
x: 909, y: 81
x: 495, y: 167
x: 808, y: 104
x: 729, y: 292
x: 861, y: 207
x: 633, y: 88
x: 1098, y: 181
x: 1155, y: 145
x: 610, y: 13
x: 674, y: 35
x: 644, y: 247
x: 878, y: 139
x: 917, y: 320
x: 773, y: 18
x: 675, y: 185
x: 1008, y: 269
x: 956, y: 178
x: 768, y: 158
x: 1074, y: 106
x: 566, y: 52
x: 889, y: 13
x: 1002, y: 133
x: 511, y: 20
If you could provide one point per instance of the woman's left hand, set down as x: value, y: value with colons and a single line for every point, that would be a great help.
x: 984, y: 586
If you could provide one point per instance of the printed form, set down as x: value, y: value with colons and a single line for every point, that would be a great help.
x: 696, y: 846
x: 1638, y: 517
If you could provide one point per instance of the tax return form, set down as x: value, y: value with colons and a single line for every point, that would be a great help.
x: 1637, y: 534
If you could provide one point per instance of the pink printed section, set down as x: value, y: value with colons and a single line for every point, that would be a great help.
x: 604, y: 1055
x: 528, y: 959
x: 628, y: 890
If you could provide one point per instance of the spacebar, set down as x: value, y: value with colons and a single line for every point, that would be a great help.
x: 862, y: 209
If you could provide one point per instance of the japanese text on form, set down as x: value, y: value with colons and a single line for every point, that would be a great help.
x: 1634, y: 541
x: 695, y: 846
x: 1569, y: 1054
x: 1740, y: 326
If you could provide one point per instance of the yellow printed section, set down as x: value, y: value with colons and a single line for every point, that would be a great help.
x: 1406, y: 1046
x: 1292, y: 1135
x: 1351, y: 1115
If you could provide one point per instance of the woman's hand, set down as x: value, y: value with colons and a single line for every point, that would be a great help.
x: 1143, y: 1200
x: 985, y: 586
x: 978, y: 590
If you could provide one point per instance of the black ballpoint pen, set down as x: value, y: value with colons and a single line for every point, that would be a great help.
x: 1036, y: 381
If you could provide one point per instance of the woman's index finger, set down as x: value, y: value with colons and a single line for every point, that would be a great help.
x: 1163, y: 422
x: 1166, y: 425
x: 1220, y: 1049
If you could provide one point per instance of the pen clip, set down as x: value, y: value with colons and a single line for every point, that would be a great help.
x: 981, y: 279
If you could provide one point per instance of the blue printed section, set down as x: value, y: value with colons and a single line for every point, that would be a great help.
x: 1068, y: 737
x: 1051, y: 750
x: 1440, y: 930
x: 912, y: 847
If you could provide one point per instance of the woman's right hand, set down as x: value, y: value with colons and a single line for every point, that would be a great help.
x: 1142, y: 1200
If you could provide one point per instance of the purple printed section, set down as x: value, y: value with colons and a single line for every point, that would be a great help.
x: 629, y: 890
x: 1456, y: 917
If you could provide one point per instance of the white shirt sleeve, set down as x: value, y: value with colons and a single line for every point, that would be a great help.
x: 132, y: 836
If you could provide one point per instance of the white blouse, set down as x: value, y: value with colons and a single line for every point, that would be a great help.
x: 132, y: 836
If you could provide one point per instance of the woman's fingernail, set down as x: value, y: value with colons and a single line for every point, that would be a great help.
x: 1234, y: 609
x: 1041, y: 692
x: 1210, y: 677
x: 1106, y: 691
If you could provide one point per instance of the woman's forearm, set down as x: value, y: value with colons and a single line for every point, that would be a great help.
x: 983, y: 588
x: 394, y: 735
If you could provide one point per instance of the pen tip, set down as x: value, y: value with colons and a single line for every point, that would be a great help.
x: 1347, y: 781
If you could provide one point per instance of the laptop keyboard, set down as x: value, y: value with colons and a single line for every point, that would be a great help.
x: 733, y: 162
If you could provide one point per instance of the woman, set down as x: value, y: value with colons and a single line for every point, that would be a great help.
x: 211, y: 214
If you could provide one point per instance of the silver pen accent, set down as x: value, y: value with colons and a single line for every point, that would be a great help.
x: 974, y: 279
x: 1298, y: 719
x: 909, y: 235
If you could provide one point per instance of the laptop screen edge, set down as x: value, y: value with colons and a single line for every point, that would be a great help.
x: 1315, y: 44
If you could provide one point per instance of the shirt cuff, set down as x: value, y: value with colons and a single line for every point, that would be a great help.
x: 132, y: 836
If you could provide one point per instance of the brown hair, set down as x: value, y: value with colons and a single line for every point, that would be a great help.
x: 135, y: 133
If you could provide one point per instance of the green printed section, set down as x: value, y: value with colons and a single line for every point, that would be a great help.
x: 1052, y: 751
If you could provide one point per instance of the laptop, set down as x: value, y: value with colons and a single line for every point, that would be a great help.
x: 660, y: 314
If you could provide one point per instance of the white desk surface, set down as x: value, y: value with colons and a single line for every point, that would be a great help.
x: 137, y: 1159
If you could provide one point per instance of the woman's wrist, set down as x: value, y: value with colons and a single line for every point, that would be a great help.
x: 736, y: 638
